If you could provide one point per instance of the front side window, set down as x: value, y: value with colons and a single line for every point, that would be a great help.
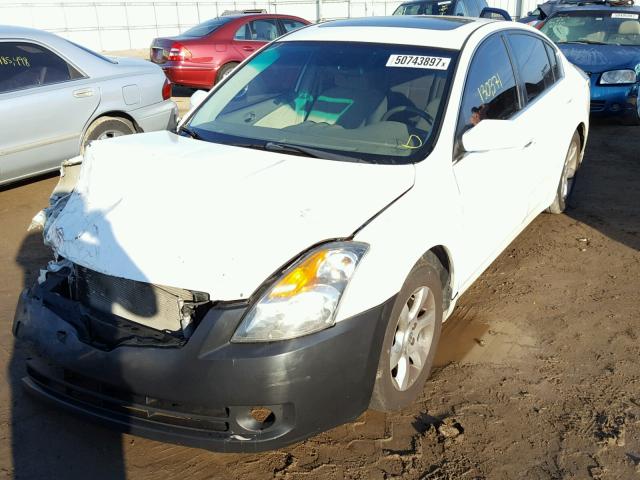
x: 533, y: 64
x: 611, y: 28
x: 490, y: 91
x: 27, y: 65
x: 374, y: 103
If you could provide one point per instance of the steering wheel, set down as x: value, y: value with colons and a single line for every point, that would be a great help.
x: 406, y: 108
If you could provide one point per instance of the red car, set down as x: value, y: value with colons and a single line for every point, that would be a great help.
x: 209, y: 51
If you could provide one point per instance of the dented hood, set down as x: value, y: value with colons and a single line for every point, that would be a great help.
x: 175, y: 211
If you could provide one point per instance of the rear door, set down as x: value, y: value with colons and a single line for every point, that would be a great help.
x: 545, y: 101
x: 489, y: 182
x: 45, y: 102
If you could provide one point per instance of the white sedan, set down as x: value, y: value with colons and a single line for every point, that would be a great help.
x: 291, y: 260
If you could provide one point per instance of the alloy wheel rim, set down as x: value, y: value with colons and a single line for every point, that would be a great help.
x: 568, y: 174
x: 413, y: 338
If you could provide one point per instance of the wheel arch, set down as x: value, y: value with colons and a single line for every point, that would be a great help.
x: 446, y: 277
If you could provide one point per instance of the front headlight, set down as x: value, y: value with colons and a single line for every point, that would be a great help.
x: 306, y: 297
x: 618, y: 76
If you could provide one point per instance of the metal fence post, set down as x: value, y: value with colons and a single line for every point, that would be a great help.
x: 318, y: 10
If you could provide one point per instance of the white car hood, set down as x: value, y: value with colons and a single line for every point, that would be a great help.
x: 174, y: 211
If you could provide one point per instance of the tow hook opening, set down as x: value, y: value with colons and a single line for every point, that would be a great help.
x: 256, y: 419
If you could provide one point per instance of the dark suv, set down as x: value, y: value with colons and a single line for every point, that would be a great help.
x: 463, y: 8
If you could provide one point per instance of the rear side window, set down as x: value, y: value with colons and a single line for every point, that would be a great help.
x: 290, y: 25
x: 490, y: 91
x: 27, y: 65
x: 533, y: 64
x: 410, y: 9
x: 263, y: 30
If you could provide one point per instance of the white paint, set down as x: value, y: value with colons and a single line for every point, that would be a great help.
x: 184, y: 213
x: 180, y: 212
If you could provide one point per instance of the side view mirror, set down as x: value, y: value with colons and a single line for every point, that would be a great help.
x: 197, y: 98
x: 529, y: 13
x: 495, y: 14
x: 495, y: 135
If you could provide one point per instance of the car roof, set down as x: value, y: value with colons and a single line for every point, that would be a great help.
x: 11, y: 31
x: 420, y: 30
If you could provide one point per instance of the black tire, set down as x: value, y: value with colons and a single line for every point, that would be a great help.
x: 567, y: 177
x: 632, y: 118
x: 107, y: 127
x: 386, y: 395
x: 225, y: 70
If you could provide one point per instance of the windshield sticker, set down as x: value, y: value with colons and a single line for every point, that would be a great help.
x: 630, y: 16
x: 418, y: 61
x: 15, y: 61
x: 488, y: 89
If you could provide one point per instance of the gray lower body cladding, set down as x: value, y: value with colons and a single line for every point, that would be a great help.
x: 200, y: 392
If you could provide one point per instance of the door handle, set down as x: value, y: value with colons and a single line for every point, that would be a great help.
x: 83, y: 92
x: 247, y: 48
x: 531, y: 142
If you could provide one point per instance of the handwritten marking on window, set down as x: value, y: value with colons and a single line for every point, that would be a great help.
x: 14, y: 61
x: 489, y: 88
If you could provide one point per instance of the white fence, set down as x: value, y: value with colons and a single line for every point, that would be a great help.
x: 105, y: 26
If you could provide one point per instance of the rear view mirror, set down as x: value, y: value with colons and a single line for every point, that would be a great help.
x: 495, y: 135
x: 495, y: 14
x: 196, y: 99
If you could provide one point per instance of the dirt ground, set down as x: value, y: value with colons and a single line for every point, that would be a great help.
x: 538, y: 370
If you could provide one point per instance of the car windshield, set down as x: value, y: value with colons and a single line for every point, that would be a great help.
x: 358, y: 101
x: 425, y: 8
x: 205, y: 28
x: 610, y: 28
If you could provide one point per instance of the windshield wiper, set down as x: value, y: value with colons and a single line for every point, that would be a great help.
x: 309, y: 152
x: 588, y: 42
x: 189, y: 132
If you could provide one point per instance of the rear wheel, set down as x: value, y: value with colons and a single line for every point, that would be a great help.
x: 411, y: 338
x: 567, y: 178
x: 107, y: 127
x: 225, y: 70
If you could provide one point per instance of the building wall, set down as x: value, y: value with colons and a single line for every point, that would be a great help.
x: 119, y: 25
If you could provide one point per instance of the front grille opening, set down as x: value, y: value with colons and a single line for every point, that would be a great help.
x: 112, y: 311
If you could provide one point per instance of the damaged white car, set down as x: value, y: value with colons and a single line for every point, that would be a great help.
x: 286, y: 260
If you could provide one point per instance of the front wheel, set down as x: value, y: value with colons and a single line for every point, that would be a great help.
x: 567, y: 178
x: 411, y: 338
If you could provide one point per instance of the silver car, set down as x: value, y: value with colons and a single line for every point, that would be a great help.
x: 56, y: 97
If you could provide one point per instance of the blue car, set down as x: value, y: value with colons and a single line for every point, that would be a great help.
x: 604, y: 41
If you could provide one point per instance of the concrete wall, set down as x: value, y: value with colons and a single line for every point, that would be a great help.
x: 119, y: 25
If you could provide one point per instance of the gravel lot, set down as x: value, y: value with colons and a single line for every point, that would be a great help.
x: 538, y: 370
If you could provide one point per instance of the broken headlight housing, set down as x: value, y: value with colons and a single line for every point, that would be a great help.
x: 305, y: 298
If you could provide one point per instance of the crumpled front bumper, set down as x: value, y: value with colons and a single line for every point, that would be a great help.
x: 205, y: 393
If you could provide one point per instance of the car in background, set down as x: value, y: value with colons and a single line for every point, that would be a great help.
x: 603, y: 41
x: 463, y: 8
x: 354, y: 178
x: 208, y: 52
x: 56, y: 97
x: 457, y: 8
x: 536, y: 17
